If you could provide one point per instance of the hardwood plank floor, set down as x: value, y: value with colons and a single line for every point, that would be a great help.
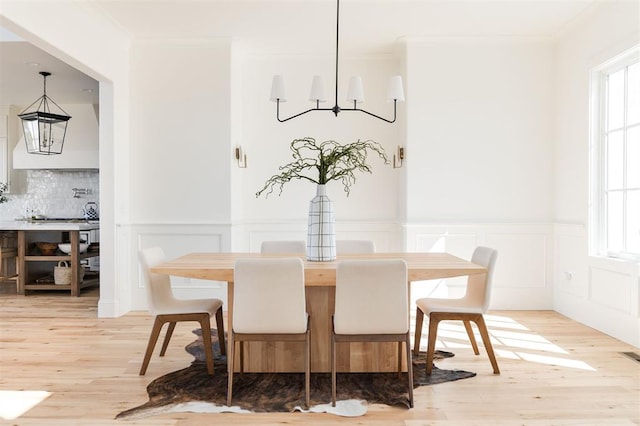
x: 554, y: 371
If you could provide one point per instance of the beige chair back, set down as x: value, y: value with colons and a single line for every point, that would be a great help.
x: 157, y: 286
x: 354, y: 246
x: 269, y: 296
x: 295, y: 247
x: 372, y: 297
x: 478, y: 292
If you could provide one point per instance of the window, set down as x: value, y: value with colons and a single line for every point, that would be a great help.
x: 615, y: 157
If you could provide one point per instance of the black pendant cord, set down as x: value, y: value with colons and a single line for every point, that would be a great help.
x: 44, y: 103
x: 336, y: 108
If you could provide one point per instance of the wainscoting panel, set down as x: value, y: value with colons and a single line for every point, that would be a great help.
x: 178, y: 240
x: 524, y: 274
x: 600, y: 292
x: 571, y: 262
x: 611, y: 289
x: 460, y: 244
x: 526, y: 256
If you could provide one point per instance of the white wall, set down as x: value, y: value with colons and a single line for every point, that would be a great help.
x: 180, y: 131
x: 602, y: 293
x: 480, y: 130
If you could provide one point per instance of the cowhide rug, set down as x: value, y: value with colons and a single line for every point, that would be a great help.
x: 193, y: 390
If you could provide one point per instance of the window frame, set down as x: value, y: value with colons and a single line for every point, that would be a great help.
x: 598, y: 244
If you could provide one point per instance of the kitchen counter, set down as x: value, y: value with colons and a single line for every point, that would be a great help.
x: 35, y: 267
x: 25, y: 225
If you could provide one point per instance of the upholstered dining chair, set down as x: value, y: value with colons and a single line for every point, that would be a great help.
x: 372, y: 305
x: 293, y: 246
x: 268, y: 305
x: 354, y: 246
x: 468, y: 308
x: 168, y: 309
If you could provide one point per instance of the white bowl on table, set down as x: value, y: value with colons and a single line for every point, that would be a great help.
x: 66, y: 247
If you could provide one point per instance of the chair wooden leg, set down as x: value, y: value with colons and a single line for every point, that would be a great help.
x: 307, y: 372
x: 409, y: 369
x: 220, y: 327
x: 333, y: 369
x: 205, y: 326
x: 153, y: 338
x: 399, y: 360
x: 487, y: 343
x: 418, y: 333
x: 230, y: 367
x: 472, y: 338
x: 167, y: 337
x: 433, y: 334
x: 241, y: 357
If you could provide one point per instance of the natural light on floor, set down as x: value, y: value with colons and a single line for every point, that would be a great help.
x: 509, y: 339
x: 13, y: 404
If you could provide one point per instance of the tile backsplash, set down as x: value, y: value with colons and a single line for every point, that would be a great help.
x: 50, y: 193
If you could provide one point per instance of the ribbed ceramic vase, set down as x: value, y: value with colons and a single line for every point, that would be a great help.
x: 321, y: 236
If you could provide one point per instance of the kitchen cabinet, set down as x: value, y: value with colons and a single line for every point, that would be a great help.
x: 9, y: 136
x: 35, y: 270
x: 91, y: 237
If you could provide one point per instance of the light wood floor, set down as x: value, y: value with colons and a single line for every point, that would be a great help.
x: 554, y: 372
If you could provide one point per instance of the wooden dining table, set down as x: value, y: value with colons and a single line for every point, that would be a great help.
x: 320, y: 280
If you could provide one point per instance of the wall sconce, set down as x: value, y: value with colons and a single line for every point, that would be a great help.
x: 398, y: 157
x: 241, y: 157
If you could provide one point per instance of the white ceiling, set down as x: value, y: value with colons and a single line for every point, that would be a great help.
x: 21, y: 83
x: 365, y: 25
x: 293, y: 26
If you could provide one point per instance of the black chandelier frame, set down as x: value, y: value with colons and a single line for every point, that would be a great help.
x: 336, y: 109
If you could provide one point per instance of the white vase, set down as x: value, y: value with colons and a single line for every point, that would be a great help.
x: 321, y: 236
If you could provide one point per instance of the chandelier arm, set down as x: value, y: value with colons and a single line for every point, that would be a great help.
x: 374, y: 115
x: 282, y: 120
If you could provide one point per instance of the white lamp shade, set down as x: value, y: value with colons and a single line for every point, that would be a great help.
x: 396, y: 92
x: 355, y: 92
x: 277, y: 89
x: 317, y: 90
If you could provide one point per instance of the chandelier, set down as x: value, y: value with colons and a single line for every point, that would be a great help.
x: 355, y: 93
x: 44, y: 128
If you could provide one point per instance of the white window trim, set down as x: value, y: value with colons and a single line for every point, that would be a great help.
x: 597, y: 233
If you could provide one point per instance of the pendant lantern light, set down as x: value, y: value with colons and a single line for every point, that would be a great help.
x: 46, y: 126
